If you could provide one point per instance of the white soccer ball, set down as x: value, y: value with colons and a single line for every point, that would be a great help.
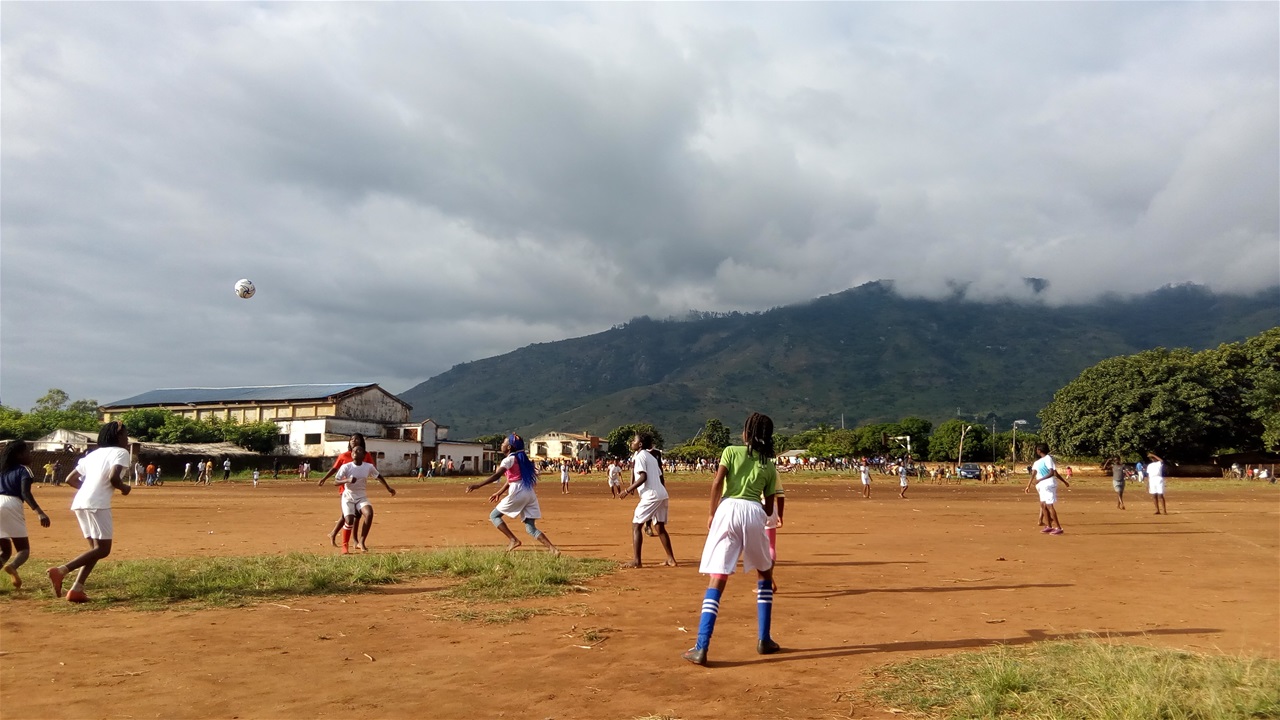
x: 245, y: 289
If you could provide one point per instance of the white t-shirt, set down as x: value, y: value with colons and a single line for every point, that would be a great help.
x: 652, y: 488
x: 226, y: 464
x: 1155, y: 471
x: 95, y: 477
x: 356, y: 478
x: 615, y: 474
x: 865, y: 472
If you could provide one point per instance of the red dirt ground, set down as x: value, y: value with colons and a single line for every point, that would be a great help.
x: 861, y: 583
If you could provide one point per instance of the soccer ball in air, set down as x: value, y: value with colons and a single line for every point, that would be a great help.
x: 245, y: 289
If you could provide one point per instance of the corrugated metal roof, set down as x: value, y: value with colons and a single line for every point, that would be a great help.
x: 199, y: 396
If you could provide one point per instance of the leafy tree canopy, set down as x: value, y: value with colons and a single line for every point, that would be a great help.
x: 1178, y: 402
x: 945, y: 442
x: 620, y: 438
x: 493, y: 441
x: 51, y: 412
x: 715, y: 435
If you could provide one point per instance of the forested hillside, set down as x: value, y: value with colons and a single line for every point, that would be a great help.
x: 865, y: 353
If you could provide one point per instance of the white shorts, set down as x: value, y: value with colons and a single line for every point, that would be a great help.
x: 1155, y: 486
x: 737, y: 530
x: 1048, y: 490
x: 771, y: 520
x: 13, y: 522
x: 520, y: 503
x: 902, y: 481
x: 95, y: 524
x: 651, y: 509
x: 866, y: 480
x: 351, y: 504
x: 615, y: 482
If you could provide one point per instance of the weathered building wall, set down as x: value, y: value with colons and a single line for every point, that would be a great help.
x: 375, y: 405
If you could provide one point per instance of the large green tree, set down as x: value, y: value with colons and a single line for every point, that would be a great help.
x: 52, y: 411
x: 1184, y: 403
x: 619, y: 438
x: 715, y: 435
x: 945, y: 442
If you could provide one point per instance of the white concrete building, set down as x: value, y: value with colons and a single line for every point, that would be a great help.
x: 565, y: 446
x: 315, y: 421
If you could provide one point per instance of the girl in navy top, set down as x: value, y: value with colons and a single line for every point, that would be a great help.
x: 15, y: 489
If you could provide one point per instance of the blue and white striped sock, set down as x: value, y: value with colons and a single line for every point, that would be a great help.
x: 707, y: 625
x: 764, y: 607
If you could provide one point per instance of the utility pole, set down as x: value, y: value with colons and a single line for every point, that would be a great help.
x: 1016, y: 423
x: 960, y: 455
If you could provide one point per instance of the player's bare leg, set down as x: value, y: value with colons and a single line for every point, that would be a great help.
x: 365, y: 523
x: 637, y: 543
x: 666, y: 545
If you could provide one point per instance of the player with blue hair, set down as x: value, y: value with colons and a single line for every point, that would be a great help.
x: 521, y: 500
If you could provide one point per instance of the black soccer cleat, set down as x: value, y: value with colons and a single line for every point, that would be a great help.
x: 695, y: 656
x: 767, y: 647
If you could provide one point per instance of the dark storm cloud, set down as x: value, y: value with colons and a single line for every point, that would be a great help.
x: 415, y: 185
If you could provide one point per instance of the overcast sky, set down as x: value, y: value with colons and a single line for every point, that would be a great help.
x: 415, y: 185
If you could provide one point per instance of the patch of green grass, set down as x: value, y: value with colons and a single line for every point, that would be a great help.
x: 1067, y: 680
x: 486, y: 576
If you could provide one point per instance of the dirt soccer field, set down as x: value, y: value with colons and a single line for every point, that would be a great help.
x: 861, y: 583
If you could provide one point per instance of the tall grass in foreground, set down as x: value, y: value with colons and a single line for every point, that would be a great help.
x: 485, y: 575
x: 1070, y: 680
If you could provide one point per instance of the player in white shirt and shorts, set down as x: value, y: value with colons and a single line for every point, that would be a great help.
x: 865, y: 473
x: 654, y: 500
x: 1155, y: 482
x: 615, y: 480
x: 95, y: 477
x: 354, y: 477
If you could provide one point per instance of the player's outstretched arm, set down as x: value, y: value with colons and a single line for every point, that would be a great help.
x: 491, y: 478
x: 385, y: 485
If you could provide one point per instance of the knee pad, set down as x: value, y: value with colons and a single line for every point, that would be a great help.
x: 495, y: 517
x: 531, y: 527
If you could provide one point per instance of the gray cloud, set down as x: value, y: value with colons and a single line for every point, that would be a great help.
x: 416, y: 185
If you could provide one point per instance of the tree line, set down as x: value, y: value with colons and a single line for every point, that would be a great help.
x: 55, y: 410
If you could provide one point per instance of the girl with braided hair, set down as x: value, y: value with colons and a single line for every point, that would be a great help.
x: 95, y: 478
x: 521, y: 501
x: 15, y: 489
x: 742, y: 496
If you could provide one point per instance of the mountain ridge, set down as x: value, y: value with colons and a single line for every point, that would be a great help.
x: 864, y: 353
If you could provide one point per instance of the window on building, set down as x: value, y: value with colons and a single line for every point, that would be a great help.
x: 282, y: 439
x: 411, y: 434
x: 381, y: 455
x: 311, y: 439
